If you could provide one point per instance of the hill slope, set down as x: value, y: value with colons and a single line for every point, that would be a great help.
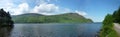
x: 61, y: 18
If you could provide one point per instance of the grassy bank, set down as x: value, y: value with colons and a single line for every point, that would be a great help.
x: 107, y: 28
x: 113, y: 33
x: 108, y: 32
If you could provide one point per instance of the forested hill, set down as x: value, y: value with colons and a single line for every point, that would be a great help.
x: 61, y: 18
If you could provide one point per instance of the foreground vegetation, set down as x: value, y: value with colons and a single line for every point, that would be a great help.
x: 116, y: 16
x: 61, y: 18
x: 107, y: 28
x: 5, y: 18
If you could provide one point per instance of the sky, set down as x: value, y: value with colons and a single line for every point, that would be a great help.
x: 93, y: 9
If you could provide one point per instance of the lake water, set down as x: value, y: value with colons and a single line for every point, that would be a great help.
x: 51, y: 30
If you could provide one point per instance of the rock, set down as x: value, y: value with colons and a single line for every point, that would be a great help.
x: 5, y: 18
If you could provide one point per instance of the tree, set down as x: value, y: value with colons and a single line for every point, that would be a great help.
x: 107, y: 25
x: 5, y: 18
x: 108, y: 19
x: 116, y: 16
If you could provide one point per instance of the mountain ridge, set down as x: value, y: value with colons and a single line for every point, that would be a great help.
x: 60, y: 18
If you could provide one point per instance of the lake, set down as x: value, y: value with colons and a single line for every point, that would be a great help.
x: 52, y: 30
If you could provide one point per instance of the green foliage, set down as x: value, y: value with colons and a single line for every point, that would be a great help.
x: 5, y: 18
x: 108, y: 20
x: 113, y: 34
x: 62, y: 18
x: 107, y: 26
x: 116, y: 16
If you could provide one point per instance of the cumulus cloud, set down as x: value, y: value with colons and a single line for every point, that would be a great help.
x: 20, y: 9
x: 6, y: 4
x: 14, y: 9
x: 41, y: 7
x: 81, y: 12
x: 46, y: 8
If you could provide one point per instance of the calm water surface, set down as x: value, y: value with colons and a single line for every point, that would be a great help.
x: 51, y: 30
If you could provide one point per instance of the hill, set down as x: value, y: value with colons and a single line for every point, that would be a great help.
x: 61, y: 18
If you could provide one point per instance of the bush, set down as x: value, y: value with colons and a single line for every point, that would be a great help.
x: 107, y: 26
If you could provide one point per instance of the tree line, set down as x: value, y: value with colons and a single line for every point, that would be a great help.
x: 107, y: 28
x: 5, y: 18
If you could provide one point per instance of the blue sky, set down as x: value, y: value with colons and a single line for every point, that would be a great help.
x: 93, y: 9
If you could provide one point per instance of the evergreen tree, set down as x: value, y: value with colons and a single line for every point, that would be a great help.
x: 5, y: 18
x: 116, y: 16
x: 107, y: 25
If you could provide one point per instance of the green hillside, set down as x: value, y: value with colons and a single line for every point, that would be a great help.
x: 61, y: 18
x: 108, y: 29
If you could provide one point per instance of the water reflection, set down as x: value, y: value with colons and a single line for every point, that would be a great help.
x: 56, y: 30
x: 5, y: 31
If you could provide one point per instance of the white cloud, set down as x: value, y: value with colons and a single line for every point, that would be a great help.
x: 21, y: 8
x: 14, y: 9
x: 81, y: 12
x: 46, y: 8
x: 6, y: 4
x: 42, y: 7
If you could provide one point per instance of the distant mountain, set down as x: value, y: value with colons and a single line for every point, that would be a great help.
x: 61, y: 18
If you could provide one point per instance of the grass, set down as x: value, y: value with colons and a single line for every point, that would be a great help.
x: 113, y: 33
x: 109, y: 33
